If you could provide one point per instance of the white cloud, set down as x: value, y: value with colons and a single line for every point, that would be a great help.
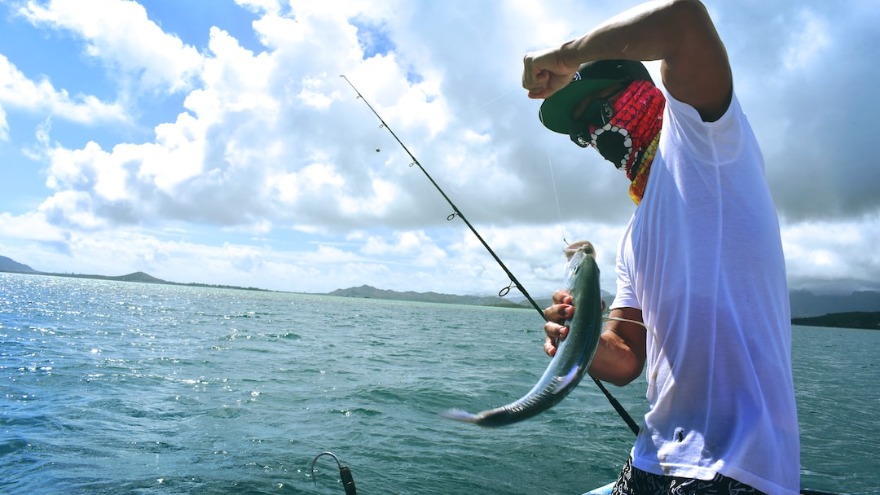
x: 4, y: 125
x: 178, y: 153
x: 414, y: 245
x: 120, y: 34
x: 72, y: 209
x: 316, y: 179
x: 260, y: 6
x: 834, y: 254
x: 30, y: 226
x: 125, y: 184
x: 236, y: 79
x: 17, y: 91
x: 809, y: 42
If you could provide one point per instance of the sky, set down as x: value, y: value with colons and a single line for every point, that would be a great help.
x: 214, y: 141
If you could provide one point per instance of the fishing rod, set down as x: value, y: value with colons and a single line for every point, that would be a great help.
x: 513, y: 281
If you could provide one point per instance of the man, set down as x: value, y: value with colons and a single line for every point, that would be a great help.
x: 702, y: 299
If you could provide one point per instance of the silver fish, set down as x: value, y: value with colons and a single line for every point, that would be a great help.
x: 573, y: 355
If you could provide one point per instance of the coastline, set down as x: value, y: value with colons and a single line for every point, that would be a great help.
x: 867, y: 320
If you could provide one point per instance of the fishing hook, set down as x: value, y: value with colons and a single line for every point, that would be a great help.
x: 513, y: 281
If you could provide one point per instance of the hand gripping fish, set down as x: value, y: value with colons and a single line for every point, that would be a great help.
x: 573, y: 356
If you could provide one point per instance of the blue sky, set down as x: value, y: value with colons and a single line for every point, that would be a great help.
x: 213, y: 141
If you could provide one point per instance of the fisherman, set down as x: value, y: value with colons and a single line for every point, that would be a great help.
x: 702, y: 299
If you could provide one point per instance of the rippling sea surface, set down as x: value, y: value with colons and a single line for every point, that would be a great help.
x: 128, y: 388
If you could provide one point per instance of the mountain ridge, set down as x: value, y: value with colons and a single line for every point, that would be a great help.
x: 370, y: 292
x: 10, y: 265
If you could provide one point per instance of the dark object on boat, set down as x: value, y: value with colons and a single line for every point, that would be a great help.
x: 344, y: 473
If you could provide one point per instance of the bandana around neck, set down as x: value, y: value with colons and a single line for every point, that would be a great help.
x: 640, y: 181
x: 625, y: 132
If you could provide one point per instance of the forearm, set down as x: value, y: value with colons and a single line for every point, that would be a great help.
x: 620, y: 355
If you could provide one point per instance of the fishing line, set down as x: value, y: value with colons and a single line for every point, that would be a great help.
x: 556, y: 196
x: 473, y: 110
x: 514, y: 283
x: 555, y: 190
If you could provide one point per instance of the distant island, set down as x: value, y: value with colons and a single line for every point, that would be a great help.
x: 857, y: 310
x: 11, y: 266
x: 869, y: 320
x: 369, y: 292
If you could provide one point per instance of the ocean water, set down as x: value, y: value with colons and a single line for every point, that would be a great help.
x: 126, y: 388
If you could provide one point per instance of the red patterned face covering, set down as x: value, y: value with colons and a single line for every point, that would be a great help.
x: 625, y: 131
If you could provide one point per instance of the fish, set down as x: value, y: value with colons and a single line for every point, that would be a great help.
x: 573, y: 355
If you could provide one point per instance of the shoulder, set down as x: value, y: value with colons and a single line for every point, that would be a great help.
x: 697, y: 71
x: 687, y: 136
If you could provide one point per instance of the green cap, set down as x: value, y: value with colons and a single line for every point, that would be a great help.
x: 556, y: 111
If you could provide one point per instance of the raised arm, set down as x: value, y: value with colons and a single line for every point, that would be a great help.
x: 679, y: 33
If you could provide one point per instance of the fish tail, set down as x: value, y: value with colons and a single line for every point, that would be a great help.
x: 460, y: 415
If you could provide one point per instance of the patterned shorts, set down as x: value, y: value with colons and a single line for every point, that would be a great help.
x: 634, y: 481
